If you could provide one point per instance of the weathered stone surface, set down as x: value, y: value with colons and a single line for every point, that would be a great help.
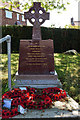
x: 36, y: 16
x: 36, y: 57
x: 75, y: 112
x: 70, y: 104
x: 59, y: 105
x: 73, y: 104
x: 48, y: 113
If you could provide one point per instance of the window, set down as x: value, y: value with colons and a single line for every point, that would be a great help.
x: 23, y: 18
x: 8, y: 14
x: 17, y: 16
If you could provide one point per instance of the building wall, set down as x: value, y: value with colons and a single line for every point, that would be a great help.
x: 9, y: 21
x: 0, y: 17
x: 79, y: 11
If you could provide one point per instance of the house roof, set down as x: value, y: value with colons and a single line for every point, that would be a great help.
x: 6, y: 6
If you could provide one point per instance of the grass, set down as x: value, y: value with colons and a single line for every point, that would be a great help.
x: 67, y: 67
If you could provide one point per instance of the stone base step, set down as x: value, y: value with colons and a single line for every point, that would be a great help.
x: 38, y: 86
x: 38, y: 83
x: 36, y: 77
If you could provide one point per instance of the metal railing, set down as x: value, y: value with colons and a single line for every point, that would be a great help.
x: 8, y: 40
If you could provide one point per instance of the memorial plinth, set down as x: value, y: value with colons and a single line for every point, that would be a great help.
x: 38, y: 81
x: 36, y: 56
x: 37, y: 68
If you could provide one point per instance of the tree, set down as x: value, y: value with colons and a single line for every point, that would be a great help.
x: 72, y: 27
x: 47, y: 4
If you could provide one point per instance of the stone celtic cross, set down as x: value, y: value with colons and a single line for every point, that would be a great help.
x: 36, y: 16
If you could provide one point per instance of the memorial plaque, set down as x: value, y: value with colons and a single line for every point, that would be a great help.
x: 36, y: 57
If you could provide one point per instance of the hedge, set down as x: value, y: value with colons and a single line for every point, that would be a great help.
x: 64, y: 39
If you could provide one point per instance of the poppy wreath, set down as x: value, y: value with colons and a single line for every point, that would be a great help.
x: 9, y: 113
x: 31, y: 99
x: 55, y: 93
x: 39, y: 102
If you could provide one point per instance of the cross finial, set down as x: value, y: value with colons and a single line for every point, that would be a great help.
x: 36, y: 16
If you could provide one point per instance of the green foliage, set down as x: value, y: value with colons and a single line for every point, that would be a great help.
x: 47, y: 4
x: 67, y: 67
x: 17, y: 33
x: 4, y: 68
x: 64, y: 39
x: 73, y: 27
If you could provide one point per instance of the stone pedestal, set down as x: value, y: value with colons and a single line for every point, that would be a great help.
x: 36, y: 56
x: 37, y: 81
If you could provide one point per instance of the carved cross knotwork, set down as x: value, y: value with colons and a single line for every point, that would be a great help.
x: 36, y: 16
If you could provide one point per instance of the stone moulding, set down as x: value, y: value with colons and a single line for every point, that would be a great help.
x: 40, y: 81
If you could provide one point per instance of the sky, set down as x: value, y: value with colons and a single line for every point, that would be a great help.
x: 63, y: 18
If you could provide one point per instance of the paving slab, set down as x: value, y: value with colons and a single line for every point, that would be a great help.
x: 49, y: 113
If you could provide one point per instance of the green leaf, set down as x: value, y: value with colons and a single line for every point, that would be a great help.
x: 10, y: 8
x: 64, y: 9
x: 68, y: 3
x: 46, y: 4
x: 58, y: 12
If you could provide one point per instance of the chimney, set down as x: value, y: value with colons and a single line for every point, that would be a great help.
x: 72, y: 21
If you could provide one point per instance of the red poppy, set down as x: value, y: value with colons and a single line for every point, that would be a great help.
x: 47, y: 100
x: 27, y: 97
x: 33, y: 95
x: 43, y: 96
x: 56, y: 97
x: 51, y: 95
x: 39, y: 107
x: 14, y: 102
x: 14, y: 112
x: 28, y: 94
x: 6, y: 114
x: 5, y: 96
x: 32, y: 89
x: 34, y: 104
x: 24, y: 91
